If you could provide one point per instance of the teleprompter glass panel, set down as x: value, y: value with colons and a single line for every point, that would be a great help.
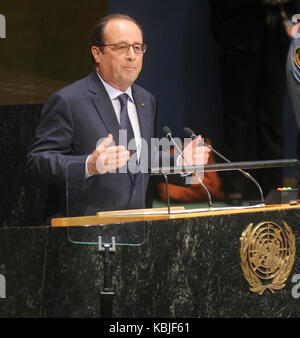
x: 108, y: 205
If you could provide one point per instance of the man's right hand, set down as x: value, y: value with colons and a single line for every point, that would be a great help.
x: 105, y: 159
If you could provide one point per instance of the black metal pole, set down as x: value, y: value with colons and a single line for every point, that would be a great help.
x: 107, y: 294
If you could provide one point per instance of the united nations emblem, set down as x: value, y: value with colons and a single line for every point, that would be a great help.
x: 267, y: 254
x: 297, y: 56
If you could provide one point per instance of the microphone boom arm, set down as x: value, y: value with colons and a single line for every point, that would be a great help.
x: 245, y: 173
x: 227, y: 166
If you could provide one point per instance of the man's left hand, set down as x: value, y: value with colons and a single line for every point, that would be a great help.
x: 195, y: 153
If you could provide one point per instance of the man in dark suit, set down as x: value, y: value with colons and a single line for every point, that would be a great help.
x: 77, y: 149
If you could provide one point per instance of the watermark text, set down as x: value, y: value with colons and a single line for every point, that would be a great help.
x: 296, y: 288
x: 2, y: 27
x: 2, y: 286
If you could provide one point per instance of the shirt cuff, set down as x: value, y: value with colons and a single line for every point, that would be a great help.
x: 179, y: 164
x: 87, y: 175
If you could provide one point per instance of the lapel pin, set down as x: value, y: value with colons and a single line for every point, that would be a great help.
x: 142, y: 104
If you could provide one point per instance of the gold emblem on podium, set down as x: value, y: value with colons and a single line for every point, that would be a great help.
x: 267, y: 254
x: 297, y: 56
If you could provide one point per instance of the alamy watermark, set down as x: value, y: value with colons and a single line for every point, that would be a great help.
x: 296, y: 288
x: 2, y: 27
x: 2, y: 286
x: 159, y: 154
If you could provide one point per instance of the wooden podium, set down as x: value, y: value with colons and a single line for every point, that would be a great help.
x: 155, y: 214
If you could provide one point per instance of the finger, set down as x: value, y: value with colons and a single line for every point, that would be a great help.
x: 118, y: 159
x: 105, y: 142
x: 110, y: 160
x: 199, y: 138
x: 116, y: 149
x: 101, y: 164
x: 200, y: 141
x: 116, y: 153
x: 99, y: 150
x: 111, y: 151
x: 117, y: 165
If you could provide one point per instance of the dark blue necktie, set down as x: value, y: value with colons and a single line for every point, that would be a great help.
x: 125, y: 122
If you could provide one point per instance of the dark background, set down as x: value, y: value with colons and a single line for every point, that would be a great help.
x: 47, y: 46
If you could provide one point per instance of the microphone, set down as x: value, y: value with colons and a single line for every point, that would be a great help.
x: 189, y: 133
x: 168, y: 133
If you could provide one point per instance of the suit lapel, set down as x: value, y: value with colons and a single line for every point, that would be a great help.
x: 106, y: 111
x: 145, y: 121
x: 103, y: 105
x: 143, y: 114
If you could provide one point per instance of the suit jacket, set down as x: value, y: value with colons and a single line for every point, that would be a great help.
x: 72, y: 121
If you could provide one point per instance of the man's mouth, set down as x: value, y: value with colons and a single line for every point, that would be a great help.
x: 129, y: 67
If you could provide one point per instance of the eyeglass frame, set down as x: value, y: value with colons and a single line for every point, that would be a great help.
x: 143, y: 46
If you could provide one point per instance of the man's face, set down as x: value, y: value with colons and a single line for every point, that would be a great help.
x: 120, y: 70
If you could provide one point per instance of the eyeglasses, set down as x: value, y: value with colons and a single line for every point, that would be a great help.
x: 123, y: 48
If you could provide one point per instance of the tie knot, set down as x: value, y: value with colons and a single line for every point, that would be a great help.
x: 123, y: 99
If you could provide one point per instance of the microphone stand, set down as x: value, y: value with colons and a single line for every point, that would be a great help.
x: 245, y: 173
x: 169, y: 136
x: 107, y: 294
x: 224, y: 167
x: 167, y: 191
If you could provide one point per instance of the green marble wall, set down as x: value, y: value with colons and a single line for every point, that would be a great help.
x: 21, y: 202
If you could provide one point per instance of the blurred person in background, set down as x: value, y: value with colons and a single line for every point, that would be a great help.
x: 252, y: 37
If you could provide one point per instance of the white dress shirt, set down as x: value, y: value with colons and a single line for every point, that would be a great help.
x: 113, y: 94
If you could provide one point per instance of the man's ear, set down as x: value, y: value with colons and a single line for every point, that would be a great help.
x: 96, y: 53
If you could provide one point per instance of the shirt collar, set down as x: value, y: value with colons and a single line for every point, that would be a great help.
x: 113, y: 92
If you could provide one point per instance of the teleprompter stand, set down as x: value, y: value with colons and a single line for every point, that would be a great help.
x: 107, y: 294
